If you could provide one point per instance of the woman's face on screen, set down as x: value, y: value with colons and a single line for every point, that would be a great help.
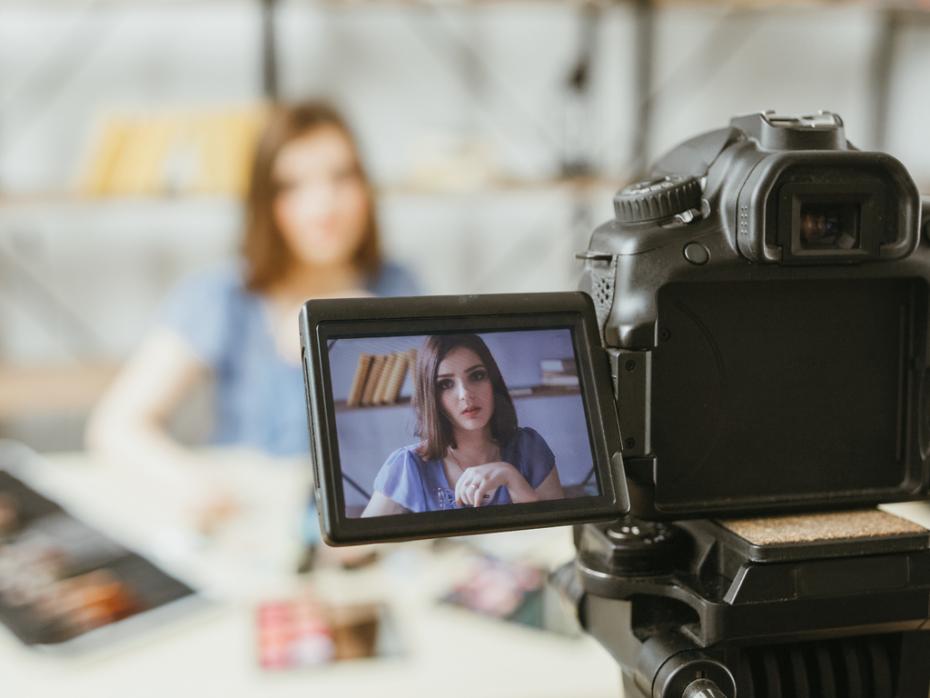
x: 464, y: 389
x: 322, y: 206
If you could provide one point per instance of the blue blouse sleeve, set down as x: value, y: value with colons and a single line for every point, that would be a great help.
x: 394, y: 280
x: 199, y: 310
x: 399, y: 479
x: 536, y: 458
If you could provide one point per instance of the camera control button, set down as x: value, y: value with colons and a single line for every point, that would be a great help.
x: 657, y: 199
x: 696, y: 253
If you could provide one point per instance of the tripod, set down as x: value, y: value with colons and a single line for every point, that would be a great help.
x: 820, y: 606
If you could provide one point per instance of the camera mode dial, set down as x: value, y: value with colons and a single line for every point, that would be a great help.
x: 655, y: 199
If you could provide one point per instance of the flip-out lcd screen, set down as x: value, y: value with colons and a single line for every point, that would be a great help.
x: 436, y: 424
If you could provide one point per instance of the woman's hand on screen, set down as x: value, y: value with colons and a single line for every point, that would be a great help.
x: 477, y: 484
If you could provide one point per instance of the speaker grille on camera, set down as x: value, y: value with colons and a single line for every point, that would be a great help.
x: 602, y: 290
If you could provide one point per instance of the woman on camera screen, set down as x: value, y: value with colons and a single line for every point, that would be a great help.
x: 472, y: 453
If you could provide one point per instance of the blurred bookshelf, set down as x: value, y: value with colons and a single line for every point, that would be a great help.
x: 157, y: 158
x: 226, y: 135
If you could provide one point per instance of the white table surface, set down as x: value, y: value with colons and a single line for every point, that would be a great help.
x: 446, y: 651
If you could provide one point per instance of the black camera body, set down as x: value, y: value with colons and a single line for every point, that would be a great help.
x: 764, y: 304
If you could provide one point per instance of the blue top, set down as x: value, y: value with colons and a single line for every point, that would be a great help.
x: 259, y: 394
x: 421, y: 485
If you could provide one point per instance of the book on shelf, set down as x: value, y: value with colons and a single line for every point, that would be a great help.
x: 358, y: 380
x: 200, y: 151
x: 411, y: 366
x: 110, y: 142
x: 396, y: 379
x: 380, y: 394
x: 371, y: 383
x: 379, y: 378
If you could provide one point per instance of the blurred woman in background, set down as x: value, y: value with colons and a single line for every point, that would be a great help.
x: 310, y: 232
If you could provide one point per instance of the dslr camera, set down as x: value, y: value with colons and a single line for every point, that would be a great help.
x: 743, y: 376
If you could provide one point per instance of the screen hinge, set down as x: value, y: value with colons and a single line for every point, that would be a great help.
x: 632, y: 378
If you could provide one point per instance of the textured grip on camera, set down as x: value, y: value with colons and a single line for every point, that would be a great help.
x: 656, y: 199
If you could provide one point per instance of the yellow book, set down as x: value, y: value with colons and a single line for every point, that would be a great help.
x: 408, y: 366
x: 227, y: 141
x: 358, y: 381
x: 208, y: 146
x: 159, y: 134
x: 397, y: 378
x: 137, y: 169
x: 181, y: 166
x: 110, y: 142
x: 384, y: 379
x: 231, y: 125
x: 244, y: 136
x: 412, y: 363
x: 374, y: 375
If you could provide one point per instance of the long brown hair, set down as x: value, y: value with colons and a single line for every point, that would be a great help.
x: 264, y: 249
x: 433, y: 427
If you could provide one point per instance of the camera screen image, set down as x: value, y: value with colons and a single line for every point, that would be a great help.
x: 458, y: 420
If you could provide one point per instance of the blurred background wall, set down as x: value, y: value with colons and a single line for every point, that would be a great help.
x: 496, y: 132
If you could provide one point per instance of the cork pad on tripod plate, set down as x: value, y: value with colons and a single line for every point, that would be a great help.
x: 824, y: 526
x: 820, y: 534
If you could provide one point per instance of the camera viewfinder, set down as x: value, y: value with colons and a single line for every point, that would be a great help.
x: 829, y: 226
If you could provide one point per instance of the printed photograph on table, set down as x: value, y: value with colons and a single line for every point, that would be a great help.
x: 306, y: 632
x: 514, y: 591
x: 63, y: 583
x: 455, y: 420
